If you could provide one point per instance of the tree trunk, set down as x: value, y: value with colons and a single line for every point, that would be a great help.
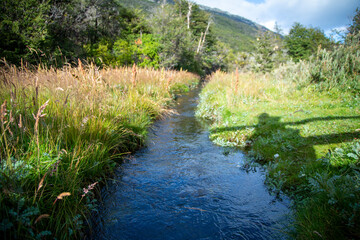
x: 189, y: 15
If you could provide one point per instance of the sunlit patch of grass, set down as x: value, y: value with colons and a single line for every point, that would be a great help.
x: 316, y: 116
x: 62, y: 130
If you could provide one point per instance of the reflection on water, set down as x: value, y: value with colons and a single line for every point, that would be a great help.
x: 181, y: 186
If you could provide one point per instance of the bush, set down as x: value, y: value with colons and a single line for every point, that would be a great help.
x: 327, y: 69
x: 332, y: 209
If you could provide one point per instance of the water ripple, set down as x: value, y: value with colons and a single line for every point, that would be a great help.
x: 181, y: 186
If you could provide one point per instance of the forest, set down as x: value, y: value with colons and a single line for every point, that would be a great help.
x: 55, y: 33
x: 82, y: 81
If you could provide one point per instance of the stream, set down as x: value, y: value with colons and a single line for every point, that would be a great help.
x: 182, y: 186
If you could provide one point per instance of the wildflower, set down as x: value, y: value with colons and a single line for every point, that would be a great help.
x: 89, y: 188
x: 276, y: 155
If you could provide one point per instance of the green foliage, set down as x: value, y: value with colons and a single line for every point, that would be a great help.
x: 148, y: 51
x: 348, y: 154
x: 238, y: 33
x: 22, y: 29
x: 335, y: 69
x: 302, y: 42
x: 140, y: 49
x: 265, y: 50
x: 177, y: 43
x: 269, y: 53
x: 57, y: 32
x: 101, y: 52
x: 354, y: 28
x: 123, y: 52
x: 331, y: 209
x: 104, y: 32
x: 61, y: 32
x: 89, y: 28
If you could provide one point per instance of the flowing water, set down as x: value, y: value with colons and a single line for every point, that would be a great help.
x: 182, y: 186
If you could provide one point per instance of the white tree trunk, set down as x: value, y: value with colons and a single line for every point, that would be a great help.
x: 203, y: 36
x: 189, y: 15
x: 199, y: 46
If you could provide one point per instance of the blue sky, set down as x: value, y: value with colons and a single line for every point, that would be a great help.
x: 325, y: 14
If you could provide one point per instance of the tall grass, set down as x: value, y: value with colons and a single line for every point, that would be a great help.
x: 327, y: 70
x: 62, y: 131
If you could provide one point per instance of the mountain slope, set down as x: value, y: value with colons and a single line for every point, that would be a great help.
x: 238, y: 32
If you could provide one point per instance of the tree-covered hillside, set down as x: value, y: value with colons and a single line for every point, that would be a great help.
x: 111, y: 33
x: 237, y: 32
x: 178, y: 34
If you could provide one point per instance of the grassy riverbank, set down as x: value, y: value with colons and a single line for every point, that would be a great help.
x: 308, y: 140
x: 62, y: 132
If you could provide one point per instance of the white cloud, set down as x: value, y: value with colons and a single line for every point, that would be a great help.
x: 269, y: 24
x: 325, y: 14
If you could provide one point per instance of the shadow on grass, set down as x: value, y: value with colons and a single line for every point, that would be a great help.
x: 271, y: 136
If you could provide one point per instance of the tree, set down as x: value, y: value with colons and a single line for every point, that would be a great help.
x: 142, y: 50
x: 200, y: 27
x: 197, y: 20
x: 302, y: 42
x: 354, y: 28
x: 22, y: 29
x: 265, y: 50
x: 93, y: 24
x: 278, y: 29
x: 59, y: 31
x: 177, y: 44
